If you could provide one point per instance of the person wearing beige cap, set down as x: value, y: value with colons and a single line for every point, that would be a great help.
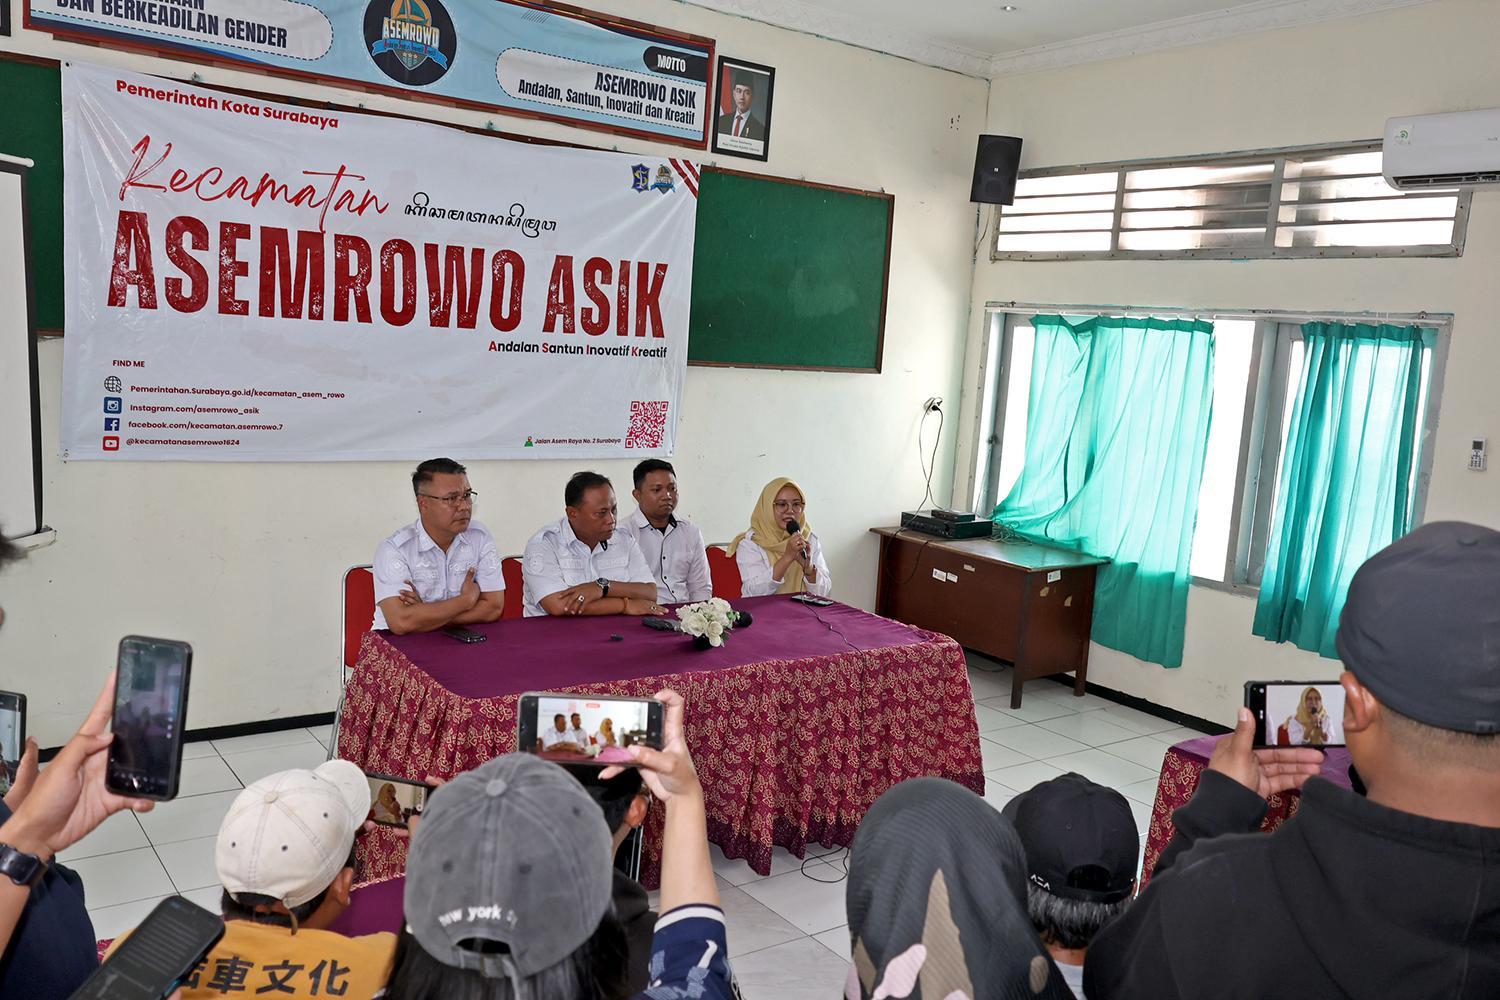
x: 285, y: 857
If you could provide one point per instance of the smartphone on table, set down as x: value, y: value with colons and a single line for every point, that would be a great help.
x: 462, y: 634
x: 587, y: 729
x: 158, y: 955
x: 1296, y: 713
x: 151, y: 689
x: 394, y: 801
x: 12, y: 736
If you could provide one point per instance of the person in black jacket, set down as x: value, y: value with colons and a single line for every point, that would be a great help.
x: 623, y: 800
x: 1393, y: 894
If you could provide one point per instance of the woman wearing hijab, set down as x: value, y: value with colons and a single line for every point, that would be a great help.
x: 1309, y: 727
x: 387, y: 809
x: 780, y: 554
x: 605, y: 737
x: 937, y: 902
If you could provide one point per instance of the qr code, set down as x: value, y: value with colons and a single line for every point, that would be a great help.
x: 648, y: 423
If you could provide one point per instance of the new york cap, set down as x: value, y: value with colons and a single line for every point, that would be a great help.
x: 513, y: 852
x: 1080, y: 838
x: 1421, y: 626
x: 287, y: 835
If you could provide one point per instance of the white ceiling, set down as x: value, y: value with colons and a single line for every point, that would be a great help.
x: 977, y: 37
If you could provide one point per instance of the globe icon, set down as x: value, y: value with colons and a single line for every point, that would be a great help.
x: 113, y: 384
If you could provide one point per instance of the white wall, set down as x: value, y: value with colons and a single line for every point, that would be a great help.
x: 244, y: 560
x: 1327, y: 82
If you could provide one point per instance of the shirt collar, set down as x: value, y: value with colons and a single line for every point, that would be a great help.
x: 424, y: 540
x: 640, y: 520
x: 565, y: 529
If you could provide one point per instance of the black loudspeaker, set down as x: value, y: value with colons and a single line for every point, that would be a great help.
x: 995, y: 165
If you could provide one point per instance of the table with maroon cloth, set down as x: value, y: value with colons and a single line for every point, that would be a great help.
x: 1181, y: 768
x: 796, y: 725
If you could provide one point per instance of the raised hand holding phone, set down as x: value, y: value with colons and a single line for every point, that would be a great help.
x: 69, y: 799
x: 1266, y: 771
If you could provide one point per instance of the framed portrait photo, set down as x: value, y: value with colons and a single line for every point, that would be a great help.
x: 742, y: 125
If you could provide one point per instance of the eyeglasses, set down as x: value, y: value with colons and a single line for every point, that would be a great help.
x: 784, y: 505
x: 454, y: 500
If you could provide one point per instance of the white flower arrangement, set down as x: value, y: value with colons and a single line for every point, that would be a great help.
x: 711, y: 620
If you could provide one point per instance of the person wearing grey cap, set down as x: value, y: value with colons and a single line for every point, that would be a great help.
x: 508, y: 885
x: 1393, y: 894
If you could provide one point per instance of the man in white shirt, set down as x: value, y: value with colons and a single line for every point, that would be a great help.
x: 577, y: 733
x: 581, y: 565
x: 560, y: 737
x: 673, y: 547
x: 442, y: 569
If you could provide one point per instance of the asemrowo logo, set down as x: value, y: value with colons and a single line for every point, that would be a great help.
x: 412, y: 41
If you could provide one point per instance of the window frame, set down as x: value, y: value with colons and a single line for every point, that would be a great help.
x: 1264, y: 410
x: 1269, y: 250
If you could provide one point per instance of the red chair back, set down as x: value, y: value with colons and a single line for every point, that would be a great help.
x: 724, y: 572
x: 359, y: 609
x: 1283, y: 738
x: 515, y: 601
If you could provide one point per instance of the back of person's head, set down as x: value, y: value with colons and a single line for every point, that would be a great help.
x: 580, y: 484
x: 287, y: 839
x: 935, y: 865
x: 616, y: 795
x: 1082, y: 847
x: 508, y: 892
x: 650, y: 465
x: 1420, y: 635
x: 434, y: 467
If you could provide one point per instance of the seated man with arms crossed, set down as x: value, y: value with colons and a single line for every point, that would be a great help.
x: 1081, y: 852
x: 560, y: 737
x: 673, y: 547
x: 581, y: 565
x: 442, y: 569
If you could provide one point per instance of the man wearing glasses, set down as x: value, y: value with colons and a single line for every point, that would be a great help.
x: 443, y: 569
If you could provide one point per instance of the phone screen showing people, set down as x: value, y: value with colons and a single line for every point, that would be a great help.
x: 394, y: 801
x: 12, y: 736
x: 1300, y: 714
x: 578, y: 729
x: 150, y: 704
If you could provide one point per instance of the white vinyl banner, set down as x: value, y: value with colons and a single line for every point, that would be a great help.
x: 250, y: 281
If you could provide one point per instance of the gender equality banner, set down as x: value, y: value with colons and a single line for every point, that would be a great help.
x: 515, y: 56
x: 251, y: 281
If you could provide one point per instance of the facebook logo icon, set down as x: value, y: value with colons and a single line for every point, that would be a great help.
x: 111, y: 423
x: 113, y: 404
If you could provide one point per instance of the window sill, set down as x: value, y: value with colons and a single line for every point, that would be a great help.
x: 1238, y: 589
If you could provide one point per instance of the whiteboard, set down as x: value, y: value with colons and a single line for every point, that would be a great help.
x: 20, y: 445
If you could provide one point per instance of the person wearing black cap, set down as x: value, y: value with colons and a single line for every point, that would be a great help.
x: 1081, y: 852
x: 1393, y: 894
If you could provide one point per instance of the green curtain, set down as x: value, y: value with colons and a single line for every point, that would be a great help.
x: 1116, y: 431
x: 1348, y: 474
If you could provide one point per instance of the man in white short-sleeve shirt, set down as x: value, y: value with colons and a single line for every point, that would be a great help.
x: 673, y: 546
x: 581, y: 565
x: 443, y: 569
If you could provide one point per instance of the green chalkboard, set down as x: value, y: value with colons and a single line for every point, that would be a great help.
x: 788, y: 274
x: 31, y: 126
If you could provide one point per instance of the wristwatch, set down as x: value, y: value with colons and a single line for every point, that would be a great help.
x: 21, y: 868
x: 603, y: 585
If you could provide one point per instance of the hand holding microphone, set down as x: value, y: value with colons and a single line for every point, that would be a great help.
x: 800, y: 547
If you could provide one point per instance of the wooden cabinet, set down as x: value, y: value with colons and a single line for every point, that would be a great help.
x: 1027, y: 604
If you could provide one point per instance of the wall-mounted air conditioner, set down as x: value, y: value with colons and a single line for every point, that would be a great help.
x: 1459, y: 149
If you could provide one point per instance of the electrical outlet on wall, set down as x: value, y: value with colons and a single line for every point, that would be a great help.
x: 933, y: 403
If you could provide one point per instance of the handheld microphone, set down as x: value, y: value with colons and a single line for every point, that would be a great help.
x: 793, y: 528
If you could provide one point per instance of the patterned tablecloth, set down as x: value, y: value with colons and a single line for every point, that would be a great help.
x: 796, y: 725
x: 1180, y: 770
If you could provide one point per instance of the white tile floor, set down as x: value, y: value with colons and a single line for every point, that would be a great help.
x: 787, y: 932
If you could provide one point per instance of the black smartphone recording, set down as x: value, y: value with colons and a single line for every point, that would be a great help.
x: 1296, y: 713
x: 12, y: 736
x: 589, y: 730
x: 394, y: 801
x: 151, y: 689
x: 158, y: 955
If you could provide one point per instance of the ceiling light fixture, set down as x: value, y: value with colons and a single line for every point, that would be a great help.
x: 1008, y: 8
